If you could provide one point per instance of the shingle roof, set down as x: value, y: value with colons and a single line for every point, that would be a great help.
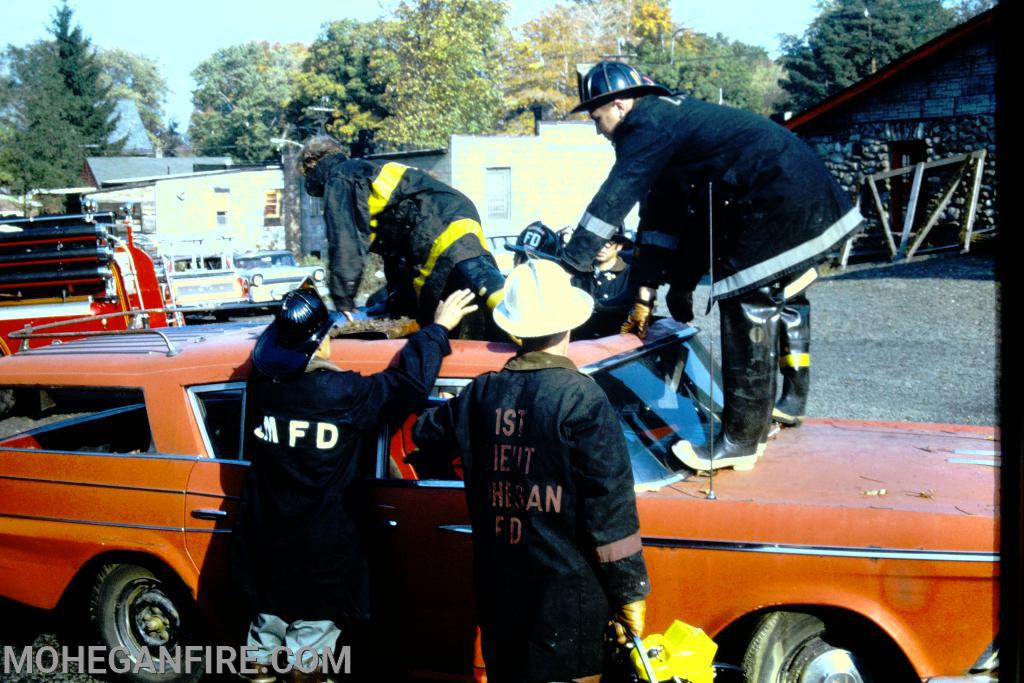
x: 107, y: 170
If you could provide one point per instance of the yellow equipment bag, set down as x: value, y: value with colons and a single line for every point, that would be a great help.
x: 683, y: 651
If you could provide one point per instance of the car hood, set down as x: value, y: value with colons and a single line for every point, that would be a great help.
x: 846, y: 483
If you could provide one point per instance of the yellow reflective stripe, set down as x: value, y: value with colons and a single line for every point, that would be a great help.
x: 795, y: 360
x: 495, y: 298
x: 383, y: 185
x: 455, y: 230
x: 800, y: 284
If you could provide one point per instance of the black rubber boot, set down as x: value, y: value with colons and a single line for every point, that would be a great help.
x: 749, y: 326
x: 794, y: 361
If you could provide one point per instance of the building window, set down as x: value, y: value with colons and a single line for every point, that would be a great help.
x: 272, y: 207
x: 222, y: 218
x: 498, y: 190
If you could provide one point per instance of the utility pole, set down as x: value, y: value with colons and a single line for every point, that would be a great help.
x: 871, y: 40
x: 290, y: 208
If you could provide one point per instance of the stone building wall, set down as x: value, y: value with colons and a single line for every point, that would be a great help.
x: 948, y: 104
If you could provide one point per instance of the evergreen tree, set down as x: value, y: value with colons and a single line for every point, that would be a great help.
x: 851, y: 39
x: 90, y: 108
x: 53, y: 109
x: 42, y: 148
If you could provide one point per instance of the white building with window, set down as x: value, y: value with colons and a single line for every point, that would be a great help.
x: 515, y: 180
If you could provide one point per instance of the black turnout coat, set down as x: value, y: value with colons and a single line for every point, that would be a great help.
x: 613, y: 293
x: 556, y: 536
x: 422, y: 227
x: 775, y: 209
x: 295, y: 551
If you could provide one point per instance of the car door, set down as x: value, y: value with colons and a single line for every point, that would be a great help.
x: 421, y: 557
x: 214, y: 488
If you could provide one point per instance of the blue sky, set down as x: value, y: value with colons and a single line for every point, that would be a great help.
x: 181, y: 33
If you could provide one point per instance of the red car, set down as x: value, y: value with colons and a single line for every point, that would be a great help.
x: 854, y: 551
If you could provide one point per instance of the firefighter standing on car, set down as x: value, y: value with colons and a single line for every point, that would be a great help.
x: 295, y: 553
x: 771, y: 207
x: 428, y: 233
x: 549, y: 486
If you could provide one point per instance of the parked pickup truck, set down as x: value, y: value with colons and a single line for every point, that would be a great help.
x: 272, y: 274
x: 206, y: 283
x: 854, y: 551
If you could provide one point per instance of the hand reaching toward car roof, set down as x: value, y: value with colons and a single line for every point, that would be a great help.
x: 452, y: 310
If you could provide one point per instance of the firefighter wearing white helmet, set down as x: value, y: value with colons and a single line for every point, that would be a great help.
x: 556, y: 536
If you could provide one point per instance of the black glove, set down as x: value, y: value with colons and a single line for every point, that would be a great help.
x: 680, y: 303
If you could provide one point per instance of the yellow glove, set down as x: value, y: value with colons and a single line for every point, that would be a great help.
x: 629, y: 616
x: 639, y: 319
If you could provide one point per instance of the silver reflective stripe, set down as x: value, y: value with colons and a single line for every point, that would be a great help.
x: 658, y: 239
x: 787, y: 259
x: 598, y: 226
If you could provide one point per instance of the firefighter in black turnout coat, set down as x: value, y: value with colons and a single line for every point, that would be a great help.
x: 556, y: 541
x: 428, y: 233
x: 770, y: 205
x: 295, y: 553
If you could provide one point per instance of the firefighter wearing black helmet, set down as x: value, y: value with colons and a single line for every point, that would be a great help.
x: 295, y: 554
x: 536, y: 241
x: 428, y: 233
x: 769, y: 205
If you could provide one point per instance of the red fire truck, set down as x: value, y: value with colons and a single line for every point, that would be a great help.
x: 79, y: 266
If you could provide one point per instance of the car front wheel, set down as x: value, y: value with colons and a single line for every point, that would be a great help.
x: 134, y: 610
x: 792, y: 647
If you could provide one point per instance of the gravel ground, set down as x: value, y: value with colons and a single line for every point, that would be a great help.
x: 907, y: 341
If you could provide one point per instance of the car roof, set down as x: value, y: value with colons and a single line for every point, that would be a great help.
x: 196, y: 354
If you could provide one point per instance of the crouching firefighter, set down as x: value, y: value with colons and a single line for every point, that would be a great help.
x: 712, y: 179
x: 549, y: 486
x: 428, y: 233
x: 295, y: 553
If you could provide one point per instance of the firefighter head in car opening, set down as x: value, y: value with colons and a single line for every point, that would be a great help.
x: 299, y: 328
x: 315, y: 149
x: 536, y: 241
x: 540, y: 301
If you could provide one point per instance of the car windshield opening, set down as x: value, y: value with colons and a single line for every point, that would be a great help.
x: 662, y: 396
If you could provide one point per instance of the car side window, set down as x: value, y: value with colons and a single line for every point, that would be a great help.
x: 219, y: 409
x: 404, y: 459
x: 75, y: 419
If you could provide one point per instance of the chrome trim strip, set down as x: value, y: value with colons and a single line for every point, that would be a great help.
x: 824, y: 551
x: 421, y: 483
x: 120, y: 525
x: 974, y: 461
x: 456, y: 528
x: 143, y: 456
x: 119, y: 487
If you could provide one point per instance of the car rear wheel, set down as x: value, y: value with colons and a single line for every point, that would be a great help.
x: 134, y: 610
x: 792, y: 647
